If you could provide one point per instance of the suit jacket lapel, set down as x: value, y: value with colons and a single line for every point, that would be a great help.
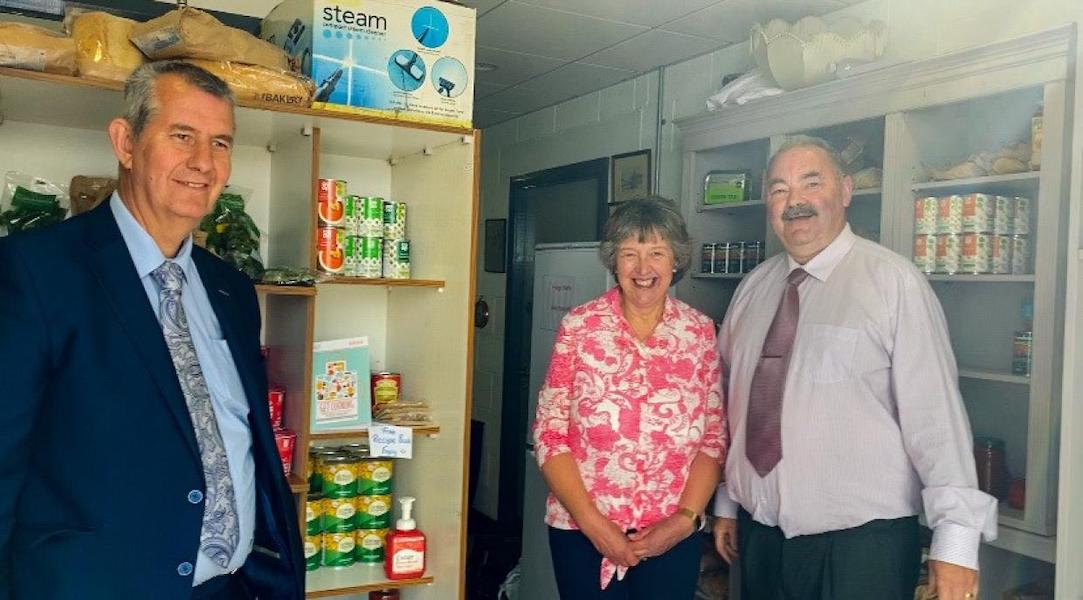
x: 111, y: 263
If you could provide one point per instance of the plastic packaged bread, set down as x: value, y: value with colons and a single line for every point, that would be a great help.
x: 192, y: 33
x: 103, y: 49
x: 33, y: 48
x: 255, y: 84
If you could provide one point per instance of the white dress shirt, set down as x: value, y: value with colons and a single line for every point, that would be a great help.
x: 873, y: 424
x: 219, y: 371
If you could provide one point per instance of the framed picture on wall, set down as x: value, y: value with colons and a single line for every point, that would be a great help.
x: 631, y: 177
x: 495, y: 245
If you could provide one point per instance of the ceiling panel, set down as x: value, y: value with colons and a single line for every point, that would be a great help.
x: 640, y: 12
x: 514, y: 100
x: 534, y: 30
x: 730, y: 20
x: 572, y: 80
x: 652, y: 49
x: 484, y: 118
x: 483, y: 6
x: 512, y: 67
x: 483, y: 89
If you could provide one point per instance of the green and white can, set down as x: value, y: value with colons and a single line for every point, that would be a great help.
x: 339, y: 514
x: 1003, y: 215
x: 353, y: 256
x: 370, y: 545
x: 371, y: 257
x: 394, y: 220
x: 353, y: 209
x: 396, y: 259
x: 371, y: 222
x: 373, y: 512
x: 1021, y: 216
x: 338, y: 549
x: 313, y: 551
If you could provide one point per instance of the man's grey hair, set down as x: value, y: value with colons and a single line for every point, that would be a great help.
x: 641, y: 217
x: 808, y: 141
x: 140, y: 101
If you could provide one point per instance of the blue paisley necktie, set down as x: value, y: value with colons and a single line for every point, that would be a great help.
x: 220, y: 534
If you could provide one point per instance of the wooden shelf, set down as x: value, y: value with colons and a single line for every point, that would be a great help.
x: 982, y: 278
x: 357, y: 579
x: 285, y: 290
x: 731, y: 207
x: 298, y: 485
x: 425, y: 283
x: 987, y: 375
x: 1016, y: 183
x: 731, y: 276
x: 364, y: 432
x: 867, y: 192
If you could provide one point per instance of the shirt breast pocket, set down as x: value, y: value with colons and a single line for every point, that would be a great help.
x: 827, y: 353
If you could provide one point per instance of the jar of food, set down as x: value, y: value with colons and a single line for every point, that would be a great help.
x: 992, y: 468
x: 384, y: 595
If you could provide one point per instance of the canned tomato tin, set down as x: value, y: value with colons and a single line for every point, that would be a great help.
x: 386, y: 388
x: 925, y: 252
x: 331, y: 249
x: 352, y: 214
x: 1003, y: 215
x: 369, y: 261
x: 375, y: 476
x: 372, y: 217
x: 1021, y: 216
x: 340, y: 476
x: 370, y: 545
x: 396, y: 260
x: 925, y: 210
x: 276, y: 398
x: 949, y: 215
x: 339, y: 514
x: 706, y: 264
x: 1020, y: 255
x: 373, y: 512
x: 947, y: 253
x: 313, y: 551
x: 331, y: 202
x: 977, y: 254
x: 394, y: 220
x: 1001, y: 254
x: 338, y: 549
x: 314, y: 513
x: 979, y: 212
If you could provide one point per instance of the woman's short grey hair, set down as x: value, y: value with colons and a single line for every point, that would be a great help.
x: 140, y: 102
x: 639, y: 219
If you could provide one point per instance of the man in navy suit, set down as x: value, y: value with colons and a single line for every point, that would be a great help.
x: 136, y: 452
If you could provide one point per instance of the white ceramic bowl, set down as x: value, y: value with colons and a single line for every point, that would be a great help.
x: 804, y: 53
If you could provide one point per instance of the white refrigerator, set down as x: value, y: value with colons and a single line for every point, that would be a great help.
x: 565, y: 276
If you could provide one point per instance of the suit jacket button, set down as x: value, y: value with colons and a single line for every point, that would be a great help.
x: 195, y: 497
x: 184, y: 569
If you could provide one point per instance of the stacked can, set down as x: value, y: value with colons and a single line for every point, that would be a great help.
x: 339, y: 472
x: 331, y: 226
x: 364, y: 229
x: 978, y: 245
x: 949, y: 229
x: 731, y: 257
x: 313, y: 531
x: 374, y: 505
x: 396, y: 246
x: 925, y: 211
x: 349, y: 517
x: 1020, y: 244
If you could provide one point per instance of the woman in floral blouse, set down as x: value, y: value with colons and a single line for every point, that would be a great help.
x: 629, y: 431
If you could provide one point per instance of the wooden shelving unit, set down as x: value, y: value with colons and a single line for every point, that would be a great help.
x: 423, y: 283
x: 428, y: 430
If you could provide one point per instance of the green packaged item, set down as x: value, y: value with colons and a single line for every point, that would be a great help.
x: 232, y: 235
x: 725, y: 187
x: 31, y: 209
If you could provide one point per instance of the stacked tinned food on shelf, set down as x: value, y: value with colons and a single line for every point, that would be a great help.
x: 360, y: 236
x: 972, y: 234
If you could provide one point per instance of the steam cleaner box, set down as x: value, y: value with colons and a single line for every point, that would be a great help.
x: 404, y: 59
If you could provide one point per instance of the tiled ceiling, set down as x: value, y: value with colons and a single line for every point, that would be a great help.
x: 548, y: 51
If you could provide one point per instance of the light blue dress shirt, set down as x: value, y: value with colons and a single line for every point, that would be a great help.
x: 219, y: 371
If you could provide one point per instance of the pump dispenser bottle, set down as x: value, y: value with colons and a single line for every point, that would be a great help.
x: 405, y: 546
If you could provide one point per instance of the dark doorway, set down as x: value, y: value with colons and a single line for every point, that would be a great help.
x: 562, y: 204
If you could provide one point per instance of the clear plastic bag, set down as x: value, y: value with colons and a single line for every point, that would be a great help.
x: 30, y: 202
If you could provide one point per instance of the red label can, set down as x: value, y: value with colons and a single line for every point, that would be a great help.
x: 331, y: 249
x: 276, y: 398
x: 386, y: 388
x: 285, y: 440
x: 331, y: 202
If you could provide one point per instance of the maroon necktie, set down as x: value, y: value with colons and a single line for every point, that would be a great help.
x: 763, y: 431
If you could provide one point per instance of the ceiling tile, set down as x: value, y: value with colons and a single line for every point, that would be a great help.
x: 639, y: 12
x: 534, y: 30
x: 483, y: 89
x: 513, y: 99
x: 731, y: 20
x: 483, y: 6
x: 513, y: 67
x: 485, y: 118
x: 572, y: 80
x: 652, y: 49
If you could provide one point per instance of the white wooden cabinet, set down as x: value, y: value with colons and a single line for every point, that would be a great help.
x: 54, y: 126
x: 932, y: 113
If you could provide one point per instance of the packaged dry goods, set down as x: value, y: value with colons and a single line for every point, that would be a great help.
x: 33, y: 48
x: 253, y: 83
x: 232, y: 235
x: 28, y: 202
x: 88, y: 192
x: 103, y: 48
x: 191, y: 33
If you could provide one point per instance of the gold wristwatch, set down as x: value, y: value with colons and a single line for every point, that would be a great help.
x: 697, y: 520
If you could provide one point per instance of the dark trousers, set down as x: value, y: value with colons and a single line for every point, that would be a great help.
x: 879, y: 559
x: 671, y: 576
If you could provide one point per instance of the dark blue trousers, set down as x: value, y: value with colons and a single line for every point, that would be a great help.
x: 671, y: 576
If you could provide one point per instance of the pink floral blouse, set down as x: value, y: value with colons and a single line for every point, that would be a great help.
x: 633, y: 414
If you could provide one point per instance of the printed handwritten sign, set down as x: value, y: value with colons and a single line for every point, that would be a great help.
x: 390, y: 441
x: 559, y: 291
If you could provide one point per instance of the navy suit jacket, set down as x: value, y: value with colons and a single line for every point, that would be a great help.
x: 97, y: 450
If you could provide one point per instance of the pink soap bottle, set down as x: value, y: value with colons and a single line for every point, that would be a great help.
x: 405, y: 546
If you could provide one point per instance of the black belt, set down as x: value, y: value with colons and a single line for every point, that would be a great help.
x: 230, y: 586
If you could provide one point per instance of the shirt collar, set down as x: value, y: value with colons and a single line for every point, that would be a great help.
x: 144, y: 250
x: 823, y: 264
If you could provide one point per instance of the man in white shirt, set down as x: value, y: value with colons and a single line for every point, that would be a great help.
x: 844, y: 411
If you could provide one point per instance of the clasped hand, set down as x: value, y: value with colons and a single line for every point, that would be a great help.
x: 627, y: 550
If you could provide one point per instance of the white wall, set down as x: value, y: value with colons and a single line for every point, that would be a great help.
x: 626, y: 117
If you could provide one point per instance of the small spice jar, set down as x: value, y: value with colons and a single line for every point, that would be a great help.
x: 992, y: 467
